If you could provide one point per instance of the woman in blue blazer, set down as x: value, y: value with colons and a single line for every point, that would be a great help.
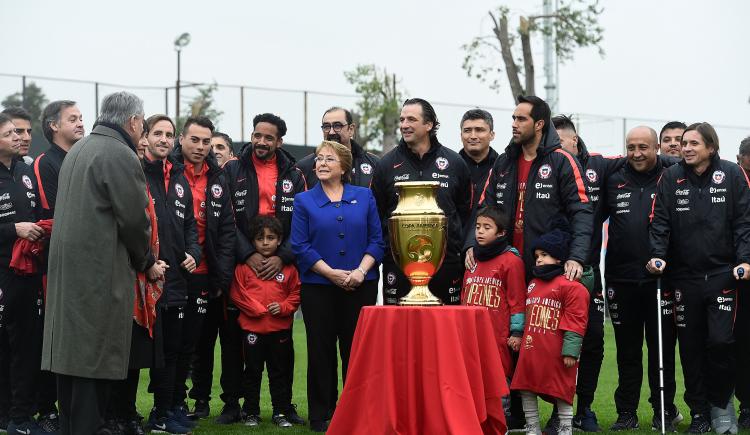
x: 337, y: 239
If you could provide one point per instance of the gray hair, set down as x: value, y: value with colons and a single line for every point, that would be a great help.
x: 119, y: 107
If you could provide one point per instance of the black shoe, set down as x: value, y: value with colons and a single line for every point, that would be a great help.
x: 29, y: 427
x: 553, y: 425
x: 586, y: 421
x: 699, y: 424
x: 252, y: 420
x: 625, y: 421
x: 4, y: 421
x: 133, y: 427
x: 516, y: 424
x: 744, y: 421
x: 673, y: 418
x: 280, y: 420
x: 202, y: 409
x: 231, y: 413
x: 293, y: 417
x: 111, y: 427
x: 318, y: 426
x: 180, y: 414
x: 49, y: 423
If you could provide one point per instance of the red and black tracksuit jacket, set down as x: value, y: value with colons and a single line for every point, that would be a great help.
x: 700, y: 224
x: 178, y: 233
x: 243, y: 184
x: 555, y: 187
x: 439, y: 164
x: 363, y: 167
x: 479, y: 172
x: 221, y: 233
x: 47, y: 171
x: 19, y: 202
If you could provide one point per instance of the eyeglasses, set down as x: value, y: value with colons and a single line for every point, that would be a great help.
x: 337, y: 126
x: 327, y: 160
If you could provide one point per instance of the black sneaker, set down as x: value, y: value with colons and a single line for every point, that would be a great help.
x: 252, y: 420
x: 743, y: 422
x: 231, y: 413
x: 111, y: 427
x: 179, y: 413
x: 202, y: 409
x: 26, y: 428
x: 49, y: 423
x: 281, y: 421
x: 133, y: 427
x: 4, y: 421
x: 699, y: 424
x: 516, y: 424
x: 293, y: 417
x: 318, y: 425
x: 673, y: 418
x: 165, y: 425
x: 553, y: 425
x: 625, y: 421
x: 586, y: 421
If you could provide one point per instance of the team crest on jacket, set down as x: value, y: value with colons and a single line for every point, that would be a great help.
x: 391, y: 278
x: 280, y: 277
x: 591, y: 175
x: 545, y: 171
x: 286, y: 186
x: 216, y: 191
x: 441, y: 163
x: 252, y: 338
x: 610, y: 293
x: 180, y: 191
x: 678, y: 296
x: 366, y: 168
x: 531, y: 287
x: 718, y: 177
x: 27, y: 181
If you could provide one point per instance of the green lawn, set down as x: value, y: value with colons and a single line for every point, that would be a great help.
x: 603, y: 405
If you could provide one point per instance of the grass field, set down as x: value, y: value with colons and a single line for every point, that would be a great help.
x: 603, y: 405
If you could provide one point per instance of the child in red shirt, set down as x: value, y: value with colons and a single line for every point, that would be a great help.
x: 497, y: 281
x: 556, y: 317
x: 266, y: 314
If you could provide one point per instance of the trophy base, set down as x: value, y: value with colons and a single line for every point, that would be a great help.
x: 420, y: 296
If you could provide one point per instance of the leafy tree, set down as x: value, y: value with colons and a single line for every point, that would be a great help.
x: 34, y: 103
x: 378, y: 107
x: 574, y: 25
x: 202, y: 104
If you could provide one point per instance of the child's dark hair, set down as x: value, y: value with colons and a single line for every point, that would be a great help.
x: 261, y: 222
x: 497, y: 215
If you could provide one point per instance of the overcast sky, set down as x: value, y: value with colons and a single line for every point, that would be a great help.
x: 675, y: 59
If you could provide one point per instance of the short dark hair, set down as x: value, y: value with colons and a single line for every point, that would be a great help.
x: 153, y: 119
x: 497, y: 214
x: 540, y: 110
x: 563, y: 122
x: 262, y: 221
x: 672, y: 124
x: 271, y: 119
x: 707, y: 132
x: 428, y: 113
x: 199, y: 120
x: 51, y: 114
x: 4, y: 119
x: 347, y: 113
x: 478, y: 114
x: 224, y: 136
x: 744, y: 146
x: 16, y: 112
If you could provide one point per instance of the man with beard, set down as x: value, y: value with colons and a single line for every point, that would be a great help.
x: 338, y: 126
x: 477, y: 131
x: 670, y: 138
x: 22, y: 120
x: 702, y: 268
x: 221, y: 144
x: 631, y: 290
x: 419, y: 156
x: 263, y: 180
x: 179, y: 248
x: 62, y: 124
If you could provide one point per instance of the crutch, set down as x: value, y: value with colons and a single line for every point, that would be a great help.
x: 661, y: 352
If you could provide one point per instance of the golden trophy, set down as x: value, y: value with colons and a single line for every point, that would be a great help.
x: 418, y: 236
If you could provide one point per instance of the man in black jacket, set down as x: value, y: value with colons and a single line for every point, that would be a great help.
x: 631, y: 291
x: 338, y: 126
x: 477, y: 131
x: 216, y: 236
x: 263, y: 180
x: 179, y: 248
x: 419, y: 156
x: 712, y: 195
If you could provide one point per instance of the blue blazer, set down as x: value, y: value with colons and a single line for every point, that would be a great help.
x: 339, y: 233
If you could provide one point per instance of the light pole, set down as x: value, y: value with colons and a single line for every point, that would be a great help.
x: 179, y: 43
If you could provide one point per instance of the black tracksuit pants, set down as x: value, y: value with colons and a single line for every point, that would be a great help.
x: 742, y: 346
x: 20, y: 324
x: 221, y: 321
x: 195, y: 313
x: 330, y: 314
x: 446, y: 284
x: 163, y: 379
x: 632, y: 308
x: 275, y: 351
x: 592, y: 349
x: 123, y: 396
x: 704, y: 313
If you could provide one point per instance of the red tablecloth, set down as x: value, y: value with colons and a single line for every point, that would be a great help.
x: 422, y: 371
